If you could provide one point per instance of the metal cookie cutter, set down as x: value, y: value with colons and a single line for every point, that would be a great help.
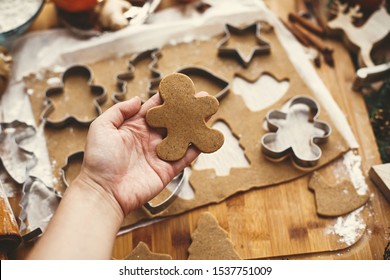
x: 262, y: 46
x: 282, y: 142
x: 161, y: 206
x: 124, y: 78
x: 72, y: 158
x: 16, y: 160
x: 151, y: 207
x: 98, y: 91
x: 197, y: 73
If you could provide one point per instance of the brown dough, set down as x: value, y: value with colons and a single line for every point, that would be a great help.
x: 210, y: 241
x: 335, y: 200
x: 183, y: 115
x: 142, y: 252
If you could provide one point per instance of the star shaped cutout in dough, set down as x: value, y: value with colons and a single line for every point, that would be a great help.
x: 243, y: 43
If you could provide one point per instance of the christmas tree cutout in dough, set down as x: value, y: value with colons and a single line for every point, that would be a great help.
x: 230, y: 155
x: 210, y: 241
x: 142, y: 252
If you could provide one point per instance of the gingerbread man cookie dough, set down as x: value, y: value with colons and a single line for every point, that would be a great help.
x: 183, y: 115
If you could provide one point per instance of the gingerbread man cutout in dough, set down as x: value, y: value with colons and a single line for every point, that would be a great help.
x: 183, y: 115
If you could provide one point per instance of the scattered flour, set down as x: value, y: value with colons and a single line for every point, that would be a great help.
x: 348, y: 227
x: 353, y: 163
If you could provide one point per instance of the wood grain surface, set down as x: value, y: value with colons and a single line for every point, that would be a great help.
x: 290, y: 232
x: 260, y: 224
x: 285, y: 232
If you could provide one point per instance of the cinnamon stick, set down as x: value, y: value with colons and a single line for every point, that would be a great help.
x: 317, y: 43
x: 301, y: 38
x: 306, y: 23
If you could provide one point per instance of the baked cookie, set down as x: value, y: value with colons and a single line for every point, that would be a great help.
x: 183, y: 115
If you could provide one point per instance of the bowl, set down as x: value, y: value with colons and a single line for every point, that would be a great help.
x: 9, y: 35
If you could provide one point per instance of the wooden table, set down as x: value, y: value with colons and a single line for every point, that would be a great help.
x: 339, y: 79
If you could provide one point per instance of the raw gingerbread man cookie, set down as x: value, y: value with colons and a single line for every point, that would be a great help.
x: 183, y: 115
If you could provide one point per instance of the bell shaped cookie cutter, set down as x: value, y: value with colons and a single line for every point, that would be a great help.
x: 161, y: 206
x: 197, y: 72
x: 123, y: 78
x: 277, y: 149
x: 98, y: 91
x: 262, y: 46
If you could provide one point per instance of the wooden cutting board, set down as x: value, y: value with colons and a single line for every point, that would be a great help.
x: 280, y: 221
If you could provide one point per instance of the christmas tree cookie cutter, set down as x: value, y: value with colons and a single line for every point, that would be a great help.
x: 297, y: 137
x: 123, y: 79
x: 262, y: 46
x: 75, y: 71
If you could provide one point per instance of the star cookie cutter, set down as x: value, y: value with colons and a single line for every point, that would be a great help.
x: 123, y: 79
x: 262, y: 46
x: 98, y: 91
x: 161, y: 206
x: 196, y: 73
x: 281, y: 142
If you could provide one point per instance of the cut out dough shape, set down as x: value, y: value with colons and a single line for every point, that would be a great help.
x: 142, y: 252
x: 261, y: 94
x: 210, y: 241
x: 335, y: 200
x: 183, y: 115
x: 230, y: 155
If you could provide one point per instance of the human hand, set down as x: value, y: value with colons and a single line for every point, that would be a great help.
x: 120, y: 155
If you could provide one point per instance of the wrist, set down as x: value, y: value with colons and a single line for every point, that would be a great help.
x: 84, y: 225
x: 98, y: 195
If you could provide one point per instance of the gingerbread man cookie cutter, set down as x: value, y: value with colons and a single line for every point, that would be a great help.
x: 281, y: 142
x: 225, y: 50
x: 74, y: 71
x: 124, y: 78
x: 183, y: 115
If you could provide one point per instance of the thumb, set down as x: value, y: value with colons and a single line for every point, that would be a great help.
x: 120, y: 112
